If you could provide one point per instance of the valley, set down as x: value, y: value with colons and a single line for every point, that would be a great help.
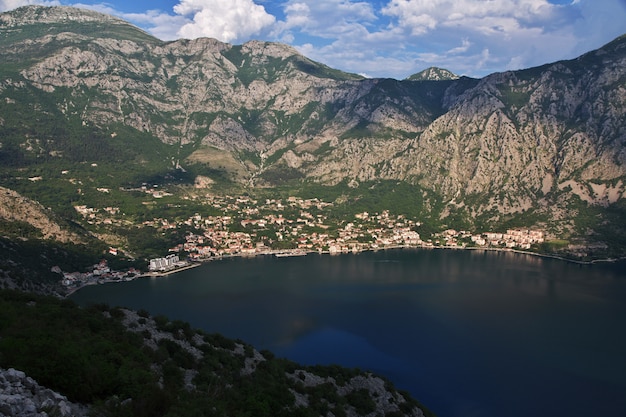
x: 122, y: 141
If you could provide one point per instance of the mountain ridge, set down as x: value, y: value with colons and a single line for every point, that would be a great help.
x: 54, y: 20
x: 542, y: 146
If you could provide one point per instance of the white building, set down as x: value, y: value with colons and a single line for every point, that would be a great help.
x: 163, y: 264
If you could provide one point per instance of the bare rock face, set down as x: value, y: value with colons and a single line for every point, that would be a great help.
x: 523, y: 134
x: 21, y: 396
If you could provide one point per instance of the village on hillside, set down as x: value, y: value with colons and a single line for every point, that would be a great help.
x: 292, y: 227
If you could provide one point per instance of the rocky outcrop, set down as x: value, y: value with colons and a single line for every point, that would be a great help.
x: 21, y: 396
x: 525, y: 134
x: 386, y: 402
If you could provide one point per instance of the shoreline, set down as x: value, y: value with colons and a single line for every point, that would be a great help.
x: 543, y: 255
x: 354, y: 252
x: 195, y: 264
x: 155, y: 274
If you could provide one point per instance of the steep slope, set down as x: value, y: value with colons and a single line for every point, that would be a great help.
x: 531, y: 136
x: 29, y: 26
x: 16, y: 208
x: 34, y: 240
x: 259, y: 97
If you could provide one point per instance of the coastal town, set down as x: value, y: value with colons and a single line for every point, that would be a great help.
x: 242, y: 226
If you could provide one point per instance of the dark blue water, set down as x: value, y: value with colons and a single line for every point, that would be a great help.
x: 468, y: 333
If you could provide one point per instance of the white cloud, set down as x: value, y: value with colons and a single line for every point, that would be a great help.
x: 472, y: 37
x: 469, y: 37
x: 465, y: 45
x: 487, y: 16
x: 162, y: 25
x: 6, y: 5
x: 226, y: 20
x: 341, y: 33
x: 601, y: 22
x: 476, y: 37
x: 234, y: 21
x: 329, y: 19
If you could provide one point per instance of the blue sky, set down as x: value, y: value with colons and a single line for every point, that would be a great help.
x: 386, y: 38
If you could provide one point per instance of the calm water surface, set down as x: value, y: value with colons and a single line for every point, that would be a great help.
x: 468, y: 333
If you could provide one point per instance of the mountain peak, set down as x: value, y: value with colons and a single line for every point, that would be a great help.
x: 433, y: 74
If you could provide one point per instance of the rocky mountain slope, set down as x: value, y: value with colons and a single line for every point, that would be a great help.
x: 545, y: 144
x: 105, y: 361
x: 34, y: 239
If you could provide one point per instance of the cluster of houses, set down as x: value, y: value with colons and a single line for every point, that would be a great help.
x: 513, y: 238
x: 296, y: 225
x: 518, y: 238
x: 306, y: 233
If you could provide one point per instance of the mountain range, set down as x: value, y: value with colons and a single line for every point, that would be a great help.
x: 90, y: 98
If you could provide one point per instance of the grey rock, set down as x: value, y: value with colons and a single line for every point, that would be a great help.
x: 22, y: 396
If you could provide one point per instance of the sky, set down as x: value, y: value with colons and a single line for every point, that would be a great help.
x: 386, y: 38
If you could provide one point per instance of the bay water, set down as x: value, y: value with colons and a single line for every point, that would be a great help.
x: 467, y: 332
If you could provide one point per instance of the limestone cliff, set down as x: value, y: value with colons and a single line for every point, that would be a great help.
x: 539, y: 139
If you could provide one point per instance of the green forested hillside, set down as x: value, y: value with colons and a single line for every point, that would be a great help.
x: 128, y: 364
